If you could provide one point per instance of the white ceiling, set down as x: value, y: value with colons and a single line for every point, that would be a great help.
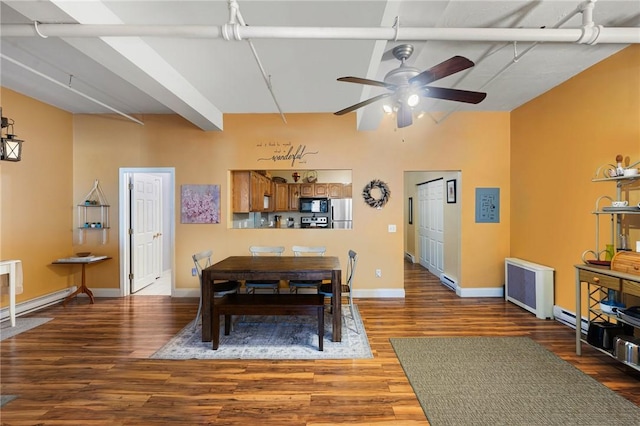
x: 202, y: 78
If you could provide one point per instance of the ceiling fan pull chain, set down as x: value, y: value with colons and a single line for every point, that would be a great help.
x: 515, y: 51
x: 396, y: 26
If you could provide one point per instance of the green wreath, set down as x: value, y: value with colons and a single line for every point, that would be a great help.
x: 377, y: 203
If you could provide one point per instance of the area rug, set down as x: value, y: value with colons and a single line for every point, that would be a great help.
x: 6, y: 398
x: 22, y: 325
x: 505, y: 381
x: 273, y: 337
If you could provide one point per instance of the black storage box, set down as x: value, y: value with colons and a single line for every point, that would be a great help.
x: 601, y: 334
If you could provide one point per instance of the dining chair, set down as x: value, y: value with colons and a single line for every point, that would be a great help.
x: 347, y: 286
x: 252, y: 285
x: 202, y: 260
x: 294, y: 285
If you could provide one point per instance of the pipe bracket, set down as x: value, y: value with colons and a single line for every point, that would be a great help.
x: 231, y: 32
x: 35, y: 25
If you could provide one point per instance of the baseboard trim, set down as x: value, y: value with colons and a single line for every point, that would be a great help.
x: 37, y: 303
x: 103, y: 292
x: 380, y: 293
x: 480, y: 292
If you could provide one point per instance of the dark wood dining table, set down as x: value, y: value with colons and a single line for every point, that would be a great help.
x: 242, y: 268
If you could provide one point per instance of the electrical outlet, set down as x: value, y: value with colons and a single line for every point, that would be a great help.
x: 392, y: 228
x: 194, y: 272
x: 379, y: 273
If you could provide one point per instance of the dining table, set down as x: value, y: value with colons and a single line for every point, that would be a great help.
x: 242, y: 268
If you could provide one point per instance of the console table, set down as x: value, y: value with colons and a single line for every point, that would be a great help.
x: 84, y: 261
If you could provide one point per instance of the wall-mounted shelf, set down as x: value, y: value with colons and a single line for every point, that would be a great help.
x: 93, y: 214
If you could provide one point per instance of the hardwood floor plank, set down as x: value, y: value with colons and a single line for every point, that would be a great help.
x: 90, y: 365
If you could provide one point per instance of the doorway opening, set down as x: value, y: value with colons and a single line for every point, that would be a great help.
x: 147, y: 234
x: 433, y: 225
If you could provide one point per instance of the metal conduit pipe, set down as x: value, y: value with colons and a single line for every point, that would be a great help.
x: 235, y: 14
x: 239, y: 32
x: 517, y: 56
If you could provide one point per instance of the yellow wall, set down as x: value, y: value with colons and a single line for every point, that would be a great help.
x: 558, y: 142
x: 105, y: 143
x: 36, y: 207
x: 542, y: 157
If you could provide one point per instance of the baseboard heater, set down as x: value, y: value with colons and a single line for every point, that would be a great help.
x: 38, y: 303
x: 569, y: 318
x: 448, y: 281
x: 529, y: 286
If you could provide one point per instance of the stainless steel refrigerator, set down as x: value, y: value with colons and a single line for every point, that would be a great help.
x: 341, y: 213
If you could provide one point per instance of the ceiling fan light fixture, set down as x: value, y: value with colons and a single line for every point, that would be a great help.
x: 413, y: 100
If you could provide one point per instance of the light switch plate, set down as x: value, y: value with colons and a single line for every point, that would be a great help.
x: 392, y: 228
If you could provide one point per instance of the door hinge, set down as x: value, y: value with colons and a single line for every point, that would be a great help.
x: 130, y: 231
x: 130, y: 276
x: 130, y: 186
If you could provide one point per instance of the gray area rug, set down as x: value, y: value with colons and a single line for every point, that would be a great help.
x: 272, y: 337
x: 22, y: 325
x: 6, y: 398
x: 505, y: 381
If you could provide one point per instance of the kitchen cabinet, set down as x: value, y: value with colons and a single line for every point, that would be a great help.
x: 281, y: 196
x: 335, y: 190
x: 294, y: 197
x: 314, y: 190
x: 347, y: 190
x: 249, y: 191
x: 307, y: 190
x: 320, y: 190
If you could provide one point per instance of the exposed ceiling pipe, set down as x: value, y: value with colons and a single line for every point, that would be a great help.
x: 235, y: 15
x: 68, y: 87
x: 585, y: 35
x: 586, y: 8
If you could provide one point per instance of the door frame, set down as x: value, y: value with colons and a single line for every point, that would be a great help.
x: 452, y: 220
x: 125, y: 221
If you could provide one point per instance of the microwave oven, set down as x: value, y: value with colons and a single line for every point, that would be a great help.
x: 314, y: 205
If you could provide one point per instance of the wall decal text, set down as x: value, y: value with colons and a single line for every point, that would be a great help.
x: 286, y: 152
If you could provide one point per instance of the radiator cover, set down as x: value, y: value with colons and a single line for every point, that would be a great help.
x: 530, y: 286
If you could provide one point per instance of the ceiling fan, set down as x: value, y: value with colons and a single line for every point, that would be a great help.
x: 408, y: 84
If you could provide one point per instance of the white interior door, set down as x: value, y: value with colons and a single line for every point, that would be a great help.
x: 431, y: 225
x: 146, y: 230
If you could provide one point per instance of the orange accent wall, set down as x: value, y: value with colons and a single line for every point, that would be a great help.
x: 541, y: 156
x: 36, y: 208
x: 558, y: 141
x: 464, y: 141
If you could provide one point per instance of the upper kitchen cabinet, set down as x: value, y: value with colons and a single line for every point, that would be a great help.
x: 251, y: 191
x: 281, y: 196
x: 280, y: 190
x: 335, y: 190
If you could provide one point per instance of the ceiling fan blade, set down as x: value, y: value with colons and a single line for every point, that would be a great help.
x: 442, y: 70
x: 368, y: 82
x: 405, y: 116
x: 363, y: 103
x: 454, y: 94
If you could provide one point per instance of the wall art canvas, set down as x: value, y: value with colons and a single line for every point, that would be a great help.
x: 200, y: 204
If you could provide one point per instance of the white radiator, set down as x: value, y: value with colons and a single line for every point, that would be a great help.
x: 529, y: 286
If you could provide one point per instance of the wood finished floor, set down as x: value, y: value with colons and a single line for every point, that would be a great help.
x: 89, y: 366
